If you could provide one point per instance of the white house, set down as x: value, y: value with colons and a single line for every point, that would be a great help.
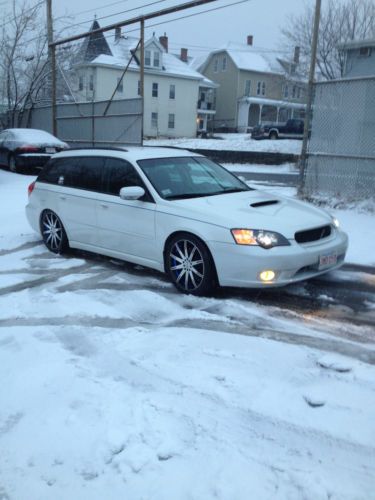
x: 172, y: 90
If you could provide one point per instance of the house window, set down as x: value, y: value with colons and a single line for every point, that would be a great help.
x: 286, y: 91
x: 156, y: 59
x: 247, y: 87
x: 224, y: 63
x: 139, y: 87
x: 298, y: 92
x: 155, y: 88
x: 147, y: 57
x: 294, y: 91
x: 154, y: 120
x: 172, y: 91
x: 216, y: 65
x: 81, y: 82
x: 261, y: 88
x: 120, y: 85
x: 171, y: 121
x: 91, y: 82
x: 365, y: 52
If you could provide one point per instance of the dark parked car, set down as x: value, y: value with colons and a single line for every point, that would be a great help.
x: 292, y: 129
x: 24, y: 149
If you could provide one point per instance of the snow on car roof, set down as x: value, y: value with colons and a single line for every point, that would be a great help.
x: 33, y: 135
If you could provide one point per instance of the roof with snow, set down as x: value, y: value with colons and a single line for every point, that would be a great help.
x: 117, y: 51
x: 357, y: 44
x: 247, y: 57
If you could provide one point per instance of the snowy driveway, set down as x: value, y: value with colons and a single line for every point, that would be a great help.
x: 115, y: 386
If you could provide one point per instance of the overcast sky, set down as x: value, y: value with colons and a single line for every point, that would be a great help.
x: 260, y: 18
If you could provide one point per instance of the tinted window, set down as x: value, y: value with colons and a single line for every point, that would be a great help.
x: 87, y: 174
x: 55, y: 170
x: 80, y: 173
x: 119, y: 174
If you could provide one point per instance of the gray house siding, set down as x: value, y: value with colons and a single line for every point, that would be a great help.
x: 226, y: 94
x: 359, y: 65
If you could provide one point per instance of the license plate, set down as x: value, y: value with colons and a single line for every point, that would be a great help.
x: 327, y: 260
x: 50, y: 150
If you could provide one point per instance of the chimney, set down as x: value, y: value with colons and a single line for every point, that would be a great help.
x: 184, y: 55
x: 297, y: 51
x: 164, y: 41
x: 117, y: 33
x: 250, y: 39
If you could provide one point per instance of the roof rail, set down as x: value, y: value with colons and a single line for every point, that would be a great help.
x: 164, y: 147
x: 84, y: 148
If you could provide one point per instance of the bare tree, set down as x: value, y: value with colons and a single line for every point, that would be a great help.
x: 340, y: 22
x: 22, y: 59
x: 25, y: 70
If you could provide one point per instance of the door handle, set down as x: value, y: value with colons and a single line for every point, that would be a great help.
x: 63, y: 198
x: 103, y: 205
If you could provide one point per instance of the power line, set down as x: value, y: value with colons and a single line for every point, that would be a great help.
x: 169, y: 21
x: 194, y: 14
x: 117, y: 13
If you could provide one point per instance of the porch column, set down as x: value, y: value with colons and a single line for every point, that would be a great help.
x: 260, y: 113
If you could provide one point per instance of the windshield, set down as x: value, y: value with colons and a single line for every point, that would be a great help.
x: 190, y: 177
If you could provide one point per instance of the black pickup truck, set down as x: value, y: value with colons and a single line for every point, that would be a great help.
x: 292, y: 129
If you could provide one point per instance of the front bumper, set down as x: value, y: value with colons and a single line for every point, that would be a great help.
x: 240, y: 266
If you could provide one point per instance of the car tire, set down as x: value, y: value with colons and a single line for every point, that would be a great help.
x: 12, y: 164
x: 189, y: 265
x: 53, y: 232
x: 273, y: 135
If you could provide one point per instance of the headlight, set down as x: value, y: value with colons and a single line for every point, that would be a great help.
x: 335, y: 222
x: 259, y: 237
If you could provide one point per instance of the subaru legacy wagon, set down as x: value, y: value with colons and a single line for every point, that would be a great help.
x: 182, y: 214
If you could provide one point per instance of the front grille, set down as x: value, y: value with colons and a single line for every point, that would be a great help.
x: 313, y: 234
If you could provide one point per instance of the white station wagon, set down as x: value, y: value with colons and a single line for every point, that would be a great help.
x: 182, y: 214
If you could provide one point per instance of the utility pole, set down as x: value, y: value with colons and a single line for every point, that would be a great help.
x: 142, y: 80
x: 310, y: 90
x: 52, y: 63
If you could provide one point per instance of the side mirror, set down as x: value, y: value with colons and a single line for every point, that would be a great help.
x: 131, y: 193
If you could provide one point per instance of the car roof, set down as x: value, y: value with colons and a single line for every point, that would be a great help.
x: 131, y: 153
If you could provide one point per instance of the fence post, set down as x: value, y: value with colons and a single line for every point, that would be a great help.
x: 310, y: 88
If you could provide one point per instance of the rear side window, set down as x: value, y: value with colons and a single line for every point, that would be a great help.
x: 80, y: 173
x: 119, y: 174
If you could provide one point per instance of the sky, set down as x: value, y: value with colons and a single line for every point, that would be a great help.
x: 200, y: 33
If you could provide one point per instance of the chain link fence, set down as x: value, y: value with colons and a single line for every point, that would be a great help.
x: 341, y: 149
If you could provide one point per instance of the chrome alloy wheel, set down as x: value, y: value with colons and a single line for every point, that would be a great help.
x: 52, y: 231
x: 187, y: 265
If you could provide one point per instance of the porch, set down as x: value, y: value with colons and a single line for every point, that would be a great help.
x: 255, y: 110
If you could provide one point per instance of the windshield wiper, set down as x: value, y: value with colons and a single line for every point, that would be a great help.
x: 200, y: 195
x: 187, y: 195
x: 235, y: 190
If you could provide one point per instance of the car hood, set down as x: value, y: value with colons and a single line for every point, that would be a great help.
x: 253, y: 210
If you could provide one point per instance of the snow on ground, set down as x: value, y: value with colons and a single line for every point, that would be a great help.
x: 125, y: 392
x: 232, y: 142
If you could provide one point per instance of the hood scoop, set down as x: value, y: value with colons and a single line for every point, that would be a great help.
x: 264, y: 203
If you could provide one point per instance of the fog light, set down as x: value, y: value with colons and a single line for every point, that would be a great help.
x: 267, y: 275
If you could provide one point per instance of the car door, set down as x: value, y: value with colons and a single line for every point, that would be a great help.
x: 70, y: 188
x: 126, y: 227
